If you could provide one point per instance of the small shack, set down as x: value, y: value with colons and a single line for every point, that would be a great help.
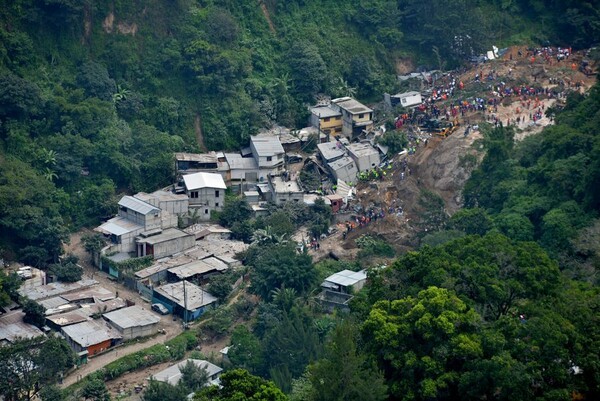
x: 172, y: 374
x: 133, y: 322
x: 338, y: 289
x: 336, y: 202
x: 406, y: 99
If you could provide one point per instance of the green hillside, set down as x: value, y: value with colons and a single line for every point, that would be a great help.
x: 95, y: 96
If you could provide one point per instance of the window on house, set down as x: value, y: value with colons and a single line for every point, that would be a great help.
x: 338, y: 129
x: 403, y: 100
x: 326, y: 119
x: 269, y: 158
x: 216, y: 194
x: 216, y: 204
x: 205, y: 211
x: 194, y: 194
x: 361, y: 116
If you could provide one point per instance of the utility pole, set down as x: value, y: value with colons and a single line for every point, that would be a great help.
x: 184, y: 307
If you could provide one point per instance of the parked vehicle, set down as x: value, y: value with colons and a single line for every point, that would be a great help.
x: 160, y: 308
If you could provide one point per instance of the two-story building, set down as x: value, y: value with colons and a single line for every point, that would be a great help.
x: 283, y: 189
x: 212, y: 162
x: 364, y: 155
x: 339, y: 288
x: 134, y: 217
x: 268, y: 153
x: 356, y: 117
x: 327, y: 120
x: 206, y: 192
x: 146, y: 225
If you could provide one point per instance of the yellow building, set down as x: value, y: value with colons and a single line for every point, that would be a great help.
x: 356, y: 117
x: 327, y: 120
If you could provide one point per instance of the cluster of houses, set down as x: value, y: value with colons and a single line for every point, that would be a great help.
x: 90, y: 317
x: 172, y: 227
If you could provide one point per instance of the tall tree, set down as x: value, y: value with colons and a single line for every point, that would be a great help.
x: 345, y: 373
x: 422, y: 343
x: 240, y: 385
x: 193, y: 377
x: 276, y: 266
x: 32, y: 364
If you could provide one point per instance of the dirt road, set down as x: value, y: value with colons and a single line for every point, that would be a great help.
x: 102, y: 360
x: 170, y: 327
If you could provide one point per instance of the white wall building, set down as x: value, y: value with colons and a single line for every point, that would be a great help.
x: 206, y: 192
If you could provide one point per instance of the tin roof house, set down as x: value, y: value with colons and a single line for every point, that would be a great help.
x: 339, y: 288
x: 184, y: 299
x: 172, y: 374
x: 133, y: 322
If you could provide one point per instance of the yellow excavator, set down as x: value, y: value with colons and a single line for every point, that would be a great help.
x: 447, y: 128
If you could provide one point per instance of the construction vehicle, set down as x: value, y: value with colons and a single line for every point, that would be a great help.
x: 447, y: 128
x: 586, y: 68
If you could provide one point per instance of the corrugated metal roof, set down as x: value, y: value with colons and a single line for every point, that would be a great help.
x: 66, y: 319
x: 134, y: 316
x: 137, y: 205
x: 54, y: 302
x: 197, y: 157
x: 237, y: 162
x: 196, y: 297
x: 203, y: 180
x: 345, y: 278
x: 118, y: 226
x: 12, y: 327
x: 54, y: 289
x: 191, y: 269
x: 407, y: 94
x: 172, y: 374
x: 91, y: 332
x: 267, y: 145
x: 167, y: 235
x: 96, y: 292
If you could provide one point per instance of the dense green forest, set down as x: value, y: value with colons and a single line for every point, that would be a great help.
x: 95, y: 96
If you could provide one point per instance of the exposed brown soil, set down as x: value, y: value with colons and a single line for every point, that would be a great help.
x: 439, y: 166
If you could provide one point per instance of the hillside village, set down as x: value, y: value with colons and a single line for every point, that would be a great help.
x: 164, y: 247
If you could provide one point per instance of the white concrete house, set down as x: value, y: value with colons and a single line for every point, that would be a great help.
x: 206, y: 192
x: 406, y: 99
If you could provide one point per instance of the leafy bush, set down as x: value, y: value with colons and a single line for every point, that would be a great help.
x: 373, y: 246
